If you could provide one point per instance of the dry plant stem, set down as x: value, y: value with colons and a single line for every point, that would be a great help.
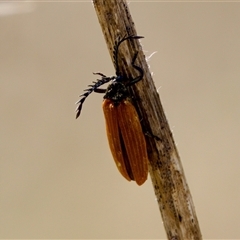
x: 169, y: 182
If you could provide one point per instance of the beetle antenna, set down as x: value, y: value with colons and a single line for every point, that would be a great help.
x: 116, y: 47
x: 94, y: 87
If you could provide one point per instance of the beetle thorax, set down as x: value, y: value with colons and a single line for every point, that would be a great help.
x: 116, y: 92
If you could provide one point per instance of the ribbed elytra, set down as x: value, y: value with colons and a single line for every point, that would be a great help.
x: 124, y: 131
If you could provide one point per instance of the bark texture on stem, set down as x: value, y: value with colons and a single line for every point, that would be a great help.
x: 166, y: 171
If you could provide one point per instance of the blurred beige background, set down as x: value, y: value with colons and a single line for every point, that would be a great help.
x: 57, y: 177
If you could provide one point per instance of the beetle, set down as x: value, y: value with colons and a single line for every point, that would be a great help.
x: 124, y: 132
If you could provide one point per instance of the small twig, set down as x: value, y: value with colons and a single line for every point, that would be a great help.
x: 169, y: 182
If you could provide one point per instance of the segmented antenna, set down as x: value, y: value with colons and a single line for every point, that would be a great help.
x: 115, y: 51
x: 92, y: 88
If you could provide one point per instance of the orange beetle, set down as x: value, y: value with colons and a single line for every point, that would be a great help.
x: 124, y: 131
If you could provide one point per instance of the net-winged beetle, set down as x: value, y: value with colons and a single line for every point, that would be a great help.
x: 124, y: 131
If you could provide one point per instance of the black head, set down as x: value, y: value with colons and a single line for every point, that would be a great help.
x: 117, y: 92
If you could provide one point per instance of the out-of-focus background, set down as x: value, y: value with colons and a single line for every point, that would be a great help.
x: 57, y: 177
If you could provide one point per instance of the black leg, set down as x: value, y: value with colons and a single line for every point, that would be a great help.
x: 137, y: 79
